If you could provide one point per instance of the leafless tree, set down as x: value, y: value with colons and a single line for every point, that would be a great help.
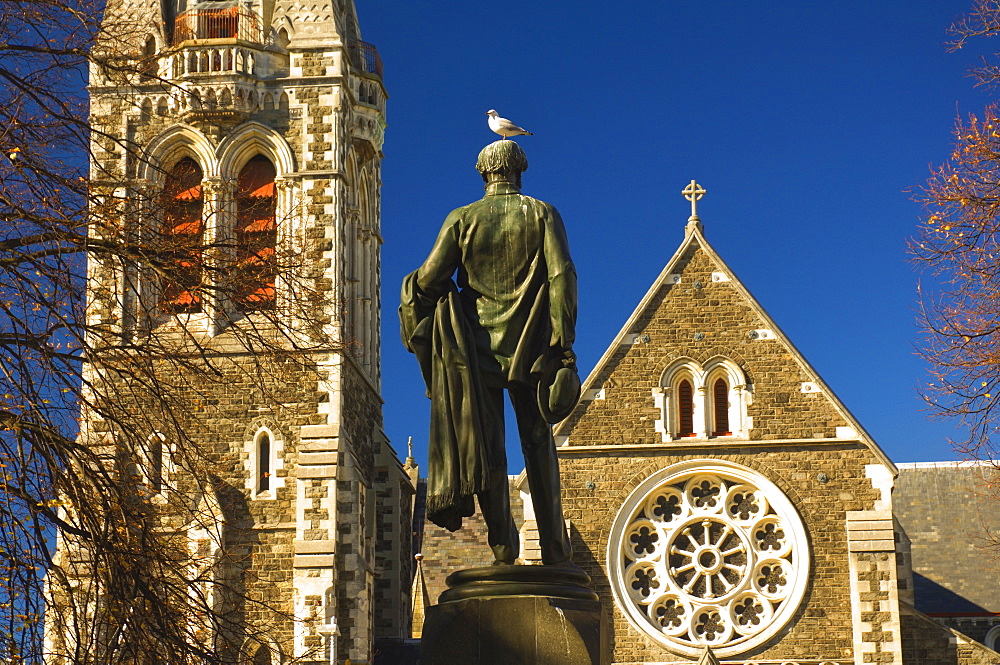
x: 100, y: 384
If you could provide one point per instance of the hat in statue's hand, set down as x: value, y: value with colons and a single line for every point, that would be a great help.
x: 558, y: 391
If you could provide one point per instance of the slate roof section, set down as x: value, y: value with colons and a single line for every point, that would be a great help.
x: 948, y: 512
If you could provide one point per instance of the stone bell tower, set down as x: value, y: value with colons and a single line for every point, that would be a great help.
x: 250, y: 135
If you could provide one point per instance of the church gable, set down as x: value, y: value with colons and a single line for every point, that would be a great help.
x: 700, y: 360
x: 719, y: 493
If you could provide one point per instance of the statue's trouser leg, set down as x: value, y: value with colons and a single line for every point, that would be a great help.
x: 542, y: 468
x: 495, y: 502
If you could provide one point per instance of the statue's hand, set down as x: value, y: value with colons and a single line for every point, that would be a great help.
x: 569, y: 359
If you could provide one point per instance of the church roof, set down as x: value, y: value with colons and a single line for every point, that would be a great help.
x: 948, y: 510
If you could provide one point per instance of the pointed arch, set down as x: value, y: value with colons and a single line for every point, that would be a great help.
x: 352, y: 178
x: 264, y: 461
x: 149, y: 64
x: 703, y: 400
x: 156, y: 461
x: 720, y: 407
x: 365, y: 273
x: 680, y: 385
x: 264, y: 446
x: 261, y: 650
x: 173, y: 143
x: 248, y: 140
x: 283, y: 37
x: 728, y: 405
x: 262, y: 656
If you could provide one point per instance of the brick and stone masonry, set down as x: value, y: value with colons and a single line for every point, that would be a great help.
x: 325, y: 551
x: 798, y: 436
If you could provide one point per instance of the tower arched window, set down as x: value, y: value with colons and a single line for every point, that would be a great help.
x: 264, y: 465
x: 685, y: 408
x: 263, y: 462
x: 155, y: 463
x: 720, y: 408
x: 182, y: 233
x: 148, y: 64
x: 256, y: 237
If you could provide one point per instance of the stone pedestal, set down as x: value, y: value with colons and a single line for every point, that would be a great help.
x: 516, y: 615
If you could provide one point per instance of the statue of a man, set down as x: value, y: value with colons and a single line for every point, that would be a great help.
x: 508, y: 323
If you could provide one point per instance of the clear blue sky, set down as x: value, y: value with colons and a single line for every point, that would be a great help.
x: 806, y: 122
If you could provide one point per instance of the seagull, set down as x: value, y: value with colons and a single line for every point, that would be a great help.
x: 505, y: 127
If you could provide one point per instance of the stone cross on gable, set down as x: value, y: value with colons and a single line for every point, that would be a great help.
x: 693, y: 193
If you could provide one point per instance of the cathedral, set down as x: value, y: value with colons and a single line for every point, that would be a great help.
x: 245, y: 151
x: 718, y: 494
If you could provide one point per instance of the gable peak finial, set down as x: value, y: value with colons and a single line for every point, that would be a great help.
x: 693, y: 193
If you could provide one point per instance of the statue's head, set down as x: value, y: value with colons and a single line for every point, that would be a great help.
x: 502, y: 160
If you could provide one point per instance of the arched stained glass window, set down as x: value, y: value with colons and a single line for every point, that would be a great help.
x: 720, y: 408
x: 182, y: 233
x: 685, y: 408
x: 256, y: 237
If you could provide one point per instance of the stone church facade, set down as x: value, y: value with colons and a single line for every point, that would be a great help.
x: 719, y: 494
x: 724, y: 495
x: 257, y: 127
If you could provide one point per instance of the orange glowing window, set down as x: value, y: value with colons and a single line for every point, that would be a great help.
x: 256, y: 237
x: 182, y: 233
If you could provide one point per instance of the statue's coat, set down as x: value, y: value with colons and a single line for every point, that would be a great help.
x: 515, y: 306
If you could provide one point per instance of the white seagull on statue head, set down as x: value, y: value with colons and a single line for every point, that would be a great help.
x: 505, y: 127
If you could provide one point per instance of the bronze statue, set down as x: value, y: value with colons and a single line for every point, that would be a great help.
x: 505, y: 321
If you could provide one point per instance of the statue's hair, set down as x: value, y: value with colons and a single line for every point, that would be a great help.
x: 502, y: 157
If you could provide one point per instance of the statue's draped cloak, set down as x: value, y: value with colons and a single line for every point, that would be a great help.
x: 514, y: 305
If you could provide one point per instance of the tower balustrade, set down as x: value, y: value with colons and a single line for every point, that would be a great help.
x: 230, y: 21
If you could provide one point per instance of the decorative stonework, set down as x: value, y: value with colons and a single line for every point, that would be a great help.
x: 707, y: 552
x: 701, y: 377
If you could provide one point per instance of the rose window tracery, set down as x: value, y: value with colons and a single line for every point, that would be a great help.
x: 708, y: 553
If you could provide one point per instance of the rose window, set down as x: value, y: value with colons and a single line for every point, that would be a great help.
x: 708, y: 553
